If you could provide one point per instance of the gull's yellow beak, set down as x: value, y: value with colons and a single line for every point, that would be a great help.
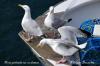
x: 40, y: 45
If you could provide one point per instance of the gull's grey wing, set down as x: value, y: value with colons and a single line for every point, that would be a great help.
x: 58, y: 23
x: 68, y: 34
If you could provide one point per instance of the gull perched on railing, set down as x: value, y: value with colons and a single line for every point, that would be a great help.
x: 29, y: 25
x: 67, y: 45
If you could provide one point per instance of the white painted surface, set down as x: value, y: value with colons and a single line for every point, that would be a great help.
x: 96, y: 31
x: 63, y: 6
x: 83, y: 13
x: 69, y: 4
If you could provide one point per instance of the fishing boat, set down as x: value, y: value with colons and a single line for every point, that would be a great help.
x: 76, y: 10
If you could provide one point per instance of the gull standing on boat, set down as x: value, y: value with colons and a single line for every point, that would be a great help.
x: 64, y: 48
x: 51, y: 21
x: 70, y: 33
x: 29, y: 25
x: 67, y: 45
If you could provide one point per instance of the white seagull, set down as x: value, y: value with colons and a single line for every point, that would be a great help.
x: 64, y: 48
x: 51, y: 21
x: 67, y: 45
x: 29, y: 25
x: 71, y: 33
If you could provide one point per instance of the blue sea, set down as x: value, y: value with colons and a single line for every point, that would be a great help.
x: 12, y: 48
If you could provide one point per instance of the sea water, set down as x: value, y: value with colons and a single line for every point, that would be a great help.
x: 13, y: 51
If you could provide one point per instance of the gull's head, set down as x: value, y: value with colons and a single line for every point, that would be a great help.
x: 25, y: 7
x: 42, y: 43
x: 51, y: 8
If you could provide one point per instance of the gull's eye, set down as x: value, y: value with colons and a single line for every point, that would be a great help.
x: 69, y: 19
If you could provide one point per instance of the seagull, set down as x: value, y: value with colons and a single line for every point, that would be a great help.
x: 52, y: 22
x: 29, y: 25
x: 67, y: 45
x: 64, y: 48
x: 71, y: 33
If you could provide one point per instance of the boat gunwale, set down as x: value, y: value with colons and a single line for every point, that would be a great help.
x: 45, y: 13
x: 81, y: 5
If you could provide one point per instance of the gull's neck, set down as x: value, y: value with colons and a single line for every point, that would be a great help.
x: 51, y: 13
x: 27, y: 14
